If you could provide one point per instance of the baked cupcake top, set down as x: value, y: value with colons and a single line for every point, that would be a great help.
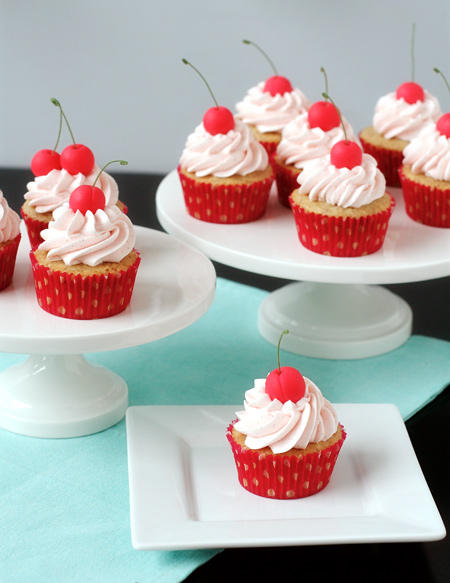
x: 269, y: 422
x: 395, y: 118
x: 345, y: 187
x: 429, y: 154
x: 270, y: 113
x: 90, y: 238
x: 223, y: 155
x: 47, y: 193
x: 9, y: 221
x: 301, y: 143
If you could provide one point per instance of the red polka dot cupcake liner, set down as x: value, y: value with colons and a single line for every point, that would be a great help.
x: 425, y: 204
x: 225, y: 204
x: 83, y: 297
x: 284, y: 477
x: 342, y: 236
x: 8, y: 255
x: 389, y: 161
x: 286, y: 179
x: 34, y: 228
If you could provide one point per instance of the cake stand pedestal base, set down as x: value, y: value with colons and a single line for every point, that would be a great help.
x: 60, y: 396
x: 336, y: 321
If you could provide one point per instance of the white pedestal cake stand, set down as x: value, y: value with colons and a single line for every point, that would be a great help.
x: 56, y: 392
x: 333, y: 310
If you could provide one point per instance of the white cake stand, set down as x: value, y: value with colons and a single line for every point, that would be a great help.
x: 333, y: 310
x: 56, y: 392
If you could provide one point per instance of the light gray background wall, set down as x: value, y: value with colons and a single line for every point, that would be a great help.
x: 116, y: 66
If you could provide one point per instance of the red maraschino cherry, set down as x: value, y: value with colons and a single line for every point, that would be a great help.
x: 75, y: 158
x: 411, y: 91
x: 47, y: 160
x: 277, y: 84
x: 218, y: 119
x: 323, y: 114
x: 443, y: 123
x: 285, y: 383
x: 86, y: 198
x: 344, y: 154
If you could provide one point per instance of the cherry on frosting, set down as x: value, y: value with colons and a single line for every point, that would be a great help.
x: 44, y: 162
x: 346, y: 154
x: 323, y: 114
x: 285, y: 383
x: 443, y: 123
x: 218, y: 119
x: 411, y: 92
x: 277, y: 84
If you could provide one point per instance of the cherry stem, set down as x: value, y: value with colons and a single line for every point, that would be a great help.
x: 413, y: 37
x: 60, y: 128
x: 339, y: 113
x: 57, y: 103
x: 249, y: 42
x: 204, y: 80
x: 443, y: 77
x: 322, y: 70
x: 121, y: 162
x: 278, y: 351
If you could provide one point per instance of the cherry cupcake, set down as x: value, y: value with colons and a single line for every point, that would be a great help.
x: 287, y: 440
x: 224, y: 172
x: 9, y: 241
x: 86, y: 266
x: 269, y: 106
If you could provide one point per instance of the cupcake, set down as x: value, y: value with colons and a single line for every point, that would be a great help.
x: 341, y: 207
x: 309, y: 136
x: 269, y: 106
x: 224, y: 172
x: 86, y: 266
x: 9, y: 241
x: 398, y: 118
x: 287, y: 439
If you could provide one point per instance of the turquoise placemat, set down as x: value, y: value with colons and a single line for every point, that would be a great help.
x: 64, y: 504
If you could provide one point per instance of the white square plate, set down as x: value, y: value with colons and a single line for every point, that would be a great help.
x: 184, y: 491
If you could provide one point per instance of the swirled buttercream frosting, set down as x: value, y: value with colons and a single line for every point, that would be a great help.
x: 90, y: 239
x: 223, y: 155
x: 284, y: 426
x: 47, y: 193
x: 429, y: 154
x: 395, y: 118
x: 9, y: 221
x: 343, y: 187
x: 301, y: 143
x: 270, y: 113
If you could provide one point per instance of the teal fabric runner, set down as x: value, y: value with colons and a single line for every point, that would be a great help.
x: 64, y: 504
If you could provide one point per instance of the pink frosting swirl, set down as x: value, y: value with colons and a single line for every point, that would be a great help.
x: 429, y: 154
x: 223, y: 155
x: 301, y: 143
x: 91, y: 239
x: 47, y: 193
x: 284, y: 426
x: 9, y: 221
x: 395, y: 118
x: 270, y: 113
x: 343, y: 187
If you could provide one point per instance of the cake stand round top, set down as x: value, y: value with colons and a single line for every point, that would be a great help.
x: 270, y: 246
x: 175, y: 286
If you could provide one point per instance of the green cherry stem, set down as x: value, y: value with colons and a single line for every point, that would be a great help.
x: 58, y: 104
x: 278, y: 351
x: 322, y: 70
x: 249, y: 42
x: 326, y: 96
x: 436, y: 70
x: 121, y: 162
x: 60, y: 129
x: 186, y: 62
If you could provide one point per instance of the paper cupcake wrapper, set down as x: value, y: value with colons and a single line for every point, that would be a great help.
x: 342, y: 236
x: 270, y: 147
x: 389, y: 161
x: 286, y: 179
x: 34, y: 228
x: 83, y: 297
x: 424, y: 204
x: 226, y: 204
x: 8, y: 254
x: 284, y: 477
